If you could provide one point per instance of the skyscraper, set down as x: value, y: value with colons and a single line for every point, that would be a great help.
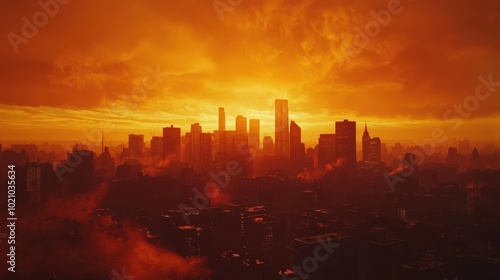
x: 254, y: 139
x: 282, y: 134
x: 297, y: 148
x: 241, y: 125
x: 172, y: 142
x: 156, y: 147
x: 220, y: 137
x: 206, y: 150
x: 195, y: 143
x: 371, y: 148
x: 268, y: 146
x: 345, y: 141
x: 222, y: 119
x: 135, y: 144
x: 326, y: 149
x: 366, y: 144
x: 375, y: 155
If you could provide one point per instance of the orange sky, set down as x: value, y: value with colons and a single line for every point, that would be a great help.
x: 70, y: 75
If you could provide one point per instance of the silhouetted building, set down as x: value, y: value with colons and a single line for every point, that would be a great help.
x: 297, y: 148
x: 374, y: 155
x: 81, y: 177
x: 366, y: 144
x: 222, y: 119
x: 371, y: 148
x: 30, y: 149
x: 241, y: 125
x: 475, y: 161
x: 156, y: 147
x: 254, y: 133
x: 40, y: 181
x: 172, y: 142
x: 135, y: 145
x: 268, y: 146
x: 326, y: 149
x: 345, y: 141
x: 282, y: 134
x: 105, y: 165
x: 220, y: 136
x: 206, y: 151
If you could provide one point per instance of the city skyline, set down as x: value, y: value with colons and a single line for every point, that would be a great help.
x: 324, y: 63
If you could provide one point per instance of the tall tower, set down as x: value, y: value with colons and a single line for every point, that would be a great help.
x: 366, y: 144
x: 254, y: 133
x: 172, y: 142
x: 222, y: 119
x: 136, y: 144
x: 297, y: 148
x: 241, y: 125
x: 196, y: 142
x: 282, y: 134
x: 345, y: 141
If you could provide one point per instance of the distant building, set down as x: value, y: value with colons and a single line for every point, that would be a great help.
x: 220, y: 136
x: 345, y: 141
x: 254, y: 133
x: 40, y: 181
x: 475, y: 161
x: 105, y: 165
x: 241, y: 125
x: 82, y: 176
x: 136, y: 145
x: 268, y: 146
x: 326, y: 149
x: 206, y: 151
x: 297, y: 148
x: 371, y: 148
x: 156, y: 147
x: 282, y: 134
x: 172, y: 142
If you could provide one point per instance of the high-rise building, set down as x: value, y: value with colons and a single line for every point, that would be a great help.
x: 366, y: 144
x: 196, y: 142
x: 222, y: 119
x: 241, y: 125
x: 282, y: 134
x: 326, y: 149
x: 156, y: 147
x: 220, y: 137
x: 254, y: 133
x: 475, y: 160
x: 172, y: 143
x: 135, y: 144
x: 297, y: 148
x: 206, y: 150
x: 345, y: 141
x: 371, y: 148
x: 82, y: 176
x: 268, y: 146
x: 375, y: 155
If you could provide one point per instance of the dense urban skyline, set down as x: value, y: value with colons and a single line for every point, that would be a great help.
x: 402, y: 80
